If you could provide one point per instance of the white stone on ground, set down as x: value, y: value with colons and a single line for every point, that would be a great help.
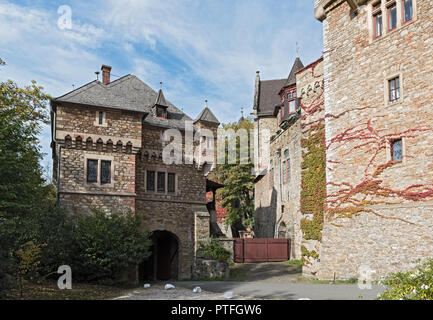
x: 169, y: 286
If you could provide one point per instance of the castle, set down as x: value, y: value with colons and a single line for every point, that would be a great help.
x: 107, y: 143
x: 355, y: 188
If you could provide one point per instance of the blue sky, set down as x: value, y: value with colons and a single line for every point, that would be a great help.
x: 199, y: 49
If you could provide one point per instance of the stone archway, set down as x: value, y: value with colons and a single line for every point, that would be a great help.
x: 163, y: 264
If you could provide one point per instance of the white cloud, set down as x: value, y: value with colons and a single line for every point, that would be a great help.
x: 199, y: 49
x: 222, y: 43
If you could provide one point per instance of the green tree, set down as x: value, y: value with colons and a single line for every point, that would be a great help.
x: 238, y: 180
x: 23, y: 191
x: 107, y: 246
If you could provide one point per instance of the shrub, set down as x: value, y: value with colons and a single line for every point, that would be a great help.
x: 108, y: 245
x: 213, y: 250
x: 411, y: 285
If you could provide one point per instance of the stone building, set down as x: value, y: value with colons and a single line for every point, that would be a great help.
x: 107, y: 143
x: 282, y: 108
x: 378, y: 66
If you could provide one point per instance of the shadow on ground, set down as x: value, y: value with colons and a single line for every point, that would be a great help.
x: 268, y: 271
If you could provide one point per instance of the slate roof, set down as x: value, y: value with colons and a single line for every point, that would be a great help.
x: 206, y: 115
x: 269, y: 91
x: 126, y: 93
x: 291, y: 79
x: 268, y: 96
x: 160, y: 100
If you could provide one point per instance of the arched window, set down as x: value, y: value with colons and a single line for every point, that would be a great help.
x: 109, y: 145
x: 79, y: 143
x: 129, y: 147
x: 89, y: 143
x: 68, y: 141
x: 99, y: 144
x: 119, y: 146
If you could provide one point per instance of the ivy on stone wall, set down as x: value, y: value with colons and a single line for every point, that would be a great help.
x: 313, y: 183
x: 306, y: 254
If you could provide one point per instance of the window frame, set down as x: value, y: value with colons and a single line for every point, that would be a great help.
x: 166, y: 173
x: 98, y: 118
x: 88, y: 170
x: 109, y: 172
x: 389, y: 6
x: 377, y: 11
x: 99, y: 158
x: 395, y: 90
x: 392, y: 144
x: 292, y: 92
x: 403, y: 12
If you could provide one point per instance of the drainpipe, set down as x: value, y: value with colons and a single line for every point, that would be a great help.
x: 278, y: 152
x: 58, y: 173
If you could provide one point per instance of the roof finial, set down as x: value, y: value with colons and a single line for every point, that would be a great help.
x: 160, y: 85
x: 297, y: 49
x: 242, y: 112
x: 205, y: 103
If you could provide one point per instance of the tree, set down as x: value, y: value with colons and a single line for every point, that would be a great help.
x: 238, y: 181
x: 23, y: 191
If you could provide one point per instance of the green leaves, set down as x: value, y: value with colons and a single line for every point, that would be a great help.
x: 213, y: 249
x: 410, y: 285
x: 107, y: 245
x: 238, y: 182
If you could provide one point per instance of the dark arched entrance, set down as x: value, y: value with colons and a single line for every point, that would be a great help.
x: 163, y: 263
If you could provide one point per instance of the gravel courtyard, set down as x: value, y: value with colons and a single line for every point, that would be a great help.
x: 157, y: 292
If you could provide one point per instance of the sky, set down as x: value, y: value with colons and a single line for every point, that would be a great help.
x: 200, y: 50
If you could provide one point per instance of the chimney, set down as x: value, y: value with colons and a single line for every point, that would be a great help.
x: 256, y: 90
x: 105, y: 74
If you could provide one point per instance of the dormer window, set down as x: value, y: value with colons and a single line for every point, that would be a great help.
x: 160, y: 106
x: 161, y: 112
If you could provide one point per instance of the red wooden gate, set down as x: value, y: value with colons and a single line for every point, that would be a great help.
x: 261, y: 250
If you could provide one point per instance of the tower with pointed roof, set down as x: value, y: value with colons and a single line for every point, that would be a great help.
x: 206, y: 120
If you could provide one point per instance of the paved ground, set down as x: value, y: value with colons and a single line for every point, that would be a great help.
x: 266, y: 272
x: 274, y: 281
x: 157, y: 292
x: 286, y: 291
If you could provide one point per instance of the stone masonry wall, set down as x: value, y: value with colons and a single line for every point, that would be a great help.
x: 288, y: 190
x: 391, y: 201
x: 264, y: 194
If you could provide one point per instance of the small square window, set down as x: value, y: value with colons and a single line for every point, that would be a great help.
x: 397, y: 150
x: 160, y: 112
